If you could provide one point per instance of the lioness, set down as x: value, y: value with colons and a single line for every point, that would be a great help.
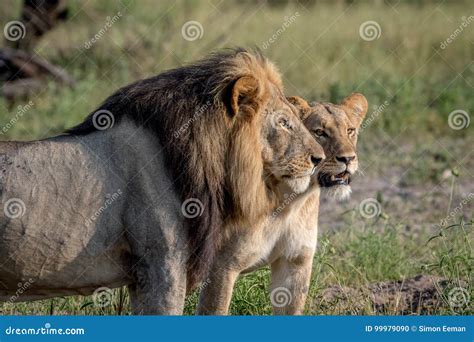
x: 286, y: 240
x: 137, y: 194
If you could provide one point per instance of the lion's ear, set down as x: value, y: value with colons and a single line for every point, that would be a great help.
x: 301, y: 104
x: 356, y: 106
x: 245, y: 96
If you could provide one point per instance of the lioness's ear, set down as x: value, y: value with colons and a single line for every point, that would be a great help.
x: 301, y: 104
x: 356, y: 106
x: 245, y: 96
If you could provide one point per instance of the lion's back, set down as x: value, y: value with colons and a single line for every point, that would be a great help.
x: 49, y: 200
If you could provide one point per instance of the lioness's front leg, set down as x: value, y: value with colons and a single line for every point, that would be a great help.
x: 290, y: 283
x: 215, y: 297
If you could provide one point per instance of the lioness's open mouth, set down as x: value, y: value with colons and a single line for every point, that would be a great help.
x: 343, y: 178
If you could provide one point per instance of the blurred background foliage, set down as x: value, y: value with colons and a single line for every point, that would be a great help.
x: 321, y: 54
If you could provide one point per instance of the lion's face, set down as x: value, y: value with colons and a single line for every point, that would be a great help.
x: 335, y: 127
x: 290, y: 153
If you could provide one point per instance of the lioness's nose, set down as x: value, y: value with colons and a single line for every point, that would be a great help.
x: 316, y: 160
x: 344, y: 159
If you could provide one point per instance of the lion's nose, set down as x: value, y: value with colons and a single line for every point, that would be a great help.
x: 316, y: 160
x: 344, y: 159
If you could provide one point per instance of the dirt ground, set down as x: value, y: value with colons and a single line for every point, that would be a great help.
x: 421, y: 294
x: 412, y: 186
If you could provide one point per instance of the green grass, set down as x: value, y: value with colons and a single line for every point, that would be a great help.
x: 321, y: 57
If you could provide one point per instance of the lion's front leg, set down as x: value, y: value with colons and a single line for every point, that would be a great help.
x: 157, y: 267
x: 215, y: 297
x: 290, y: 283
x: 159, y: 288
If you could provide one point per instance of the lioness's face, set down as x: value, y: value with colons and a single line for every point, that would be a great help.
x: 290, y: 153
x: 335, y: 128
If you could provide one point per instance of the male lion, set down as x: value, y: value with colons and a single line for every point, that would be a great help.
x: 286, y: 239
x: 141, y: 191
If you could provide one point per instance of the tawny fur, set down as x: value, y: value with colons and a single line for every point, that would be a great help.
x: 219, y: 157
x: 286, y: 240
x: 208, y: 132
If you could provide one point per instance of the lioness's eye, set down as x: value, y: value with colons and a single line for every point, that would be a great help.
x: 350, y: 131
x: 320, y: 133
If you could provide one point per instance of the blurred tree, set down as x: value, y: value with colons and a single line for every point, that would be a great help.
x: 22, y: 73
x: 38, y: 17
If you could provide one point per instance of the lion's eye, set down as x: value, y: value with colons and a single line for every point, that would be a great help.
x: 351, y: 131
x: 320, y: 133
x: 285, y: 123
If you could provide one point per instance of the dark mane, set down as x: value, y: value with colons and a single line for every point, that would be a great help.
x: 187, y: 110
x: 173, y: 96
